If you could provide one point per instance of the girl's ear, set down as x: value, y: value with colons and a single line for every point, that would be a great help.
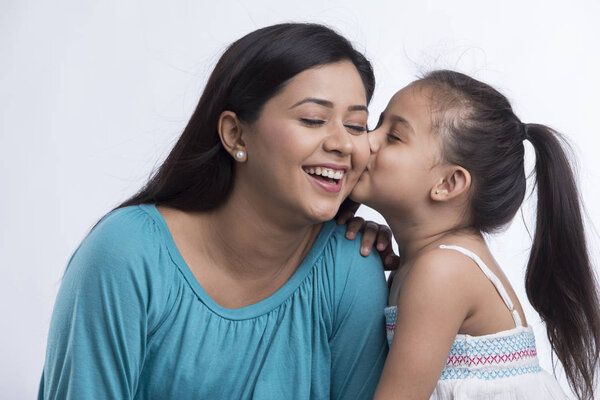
x: 455, y: 182
x: 230, y: 132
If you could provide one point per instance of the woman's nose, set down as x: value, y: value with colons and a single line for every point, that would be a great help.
x: 339, y: 140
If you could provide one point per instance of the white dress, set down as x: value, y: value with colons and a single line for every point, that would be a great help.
x: 501, y: 365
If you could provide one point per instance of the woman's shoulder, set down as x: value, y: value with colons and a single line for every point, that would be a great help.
x: 125, y: 223
x: 351, y: 272
x: 126, y: 229
x: 346, y: 252
x: 120, y: 270
x: 125, y: 238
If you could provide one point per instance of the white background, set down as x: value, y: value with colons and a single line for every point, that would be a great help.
x: 94, y: 93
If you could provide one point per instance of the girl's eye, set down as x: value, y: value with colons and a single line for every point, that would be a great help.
x: 393, y: 138
x: 312, y: 122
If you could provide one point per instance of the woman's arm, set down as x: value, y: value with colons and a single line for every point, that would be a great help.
x: 357, y: 341
x: 432, y: 305
x: 104, y: 312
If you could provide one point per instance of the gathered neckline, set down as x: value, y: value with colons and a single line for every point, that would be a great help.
x: 253, y: 310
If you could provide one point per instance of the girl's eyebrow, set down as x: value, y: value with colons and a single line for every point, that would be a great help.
x: 403, y: 121
x: 329, y: 104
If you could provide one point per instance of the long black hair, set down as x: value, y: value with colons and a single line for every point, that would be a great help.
x: 198, y: 173
x: 481, y: 133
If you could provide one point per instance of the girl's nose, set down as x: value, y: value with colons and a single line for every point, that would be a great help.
x: 374, y: 140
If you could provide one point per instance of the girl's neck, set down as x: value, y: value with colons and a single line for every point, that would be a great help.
x: 418, y: 238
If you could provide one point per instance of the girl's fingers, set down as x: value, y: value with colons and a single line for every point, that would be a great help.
x: 369, y: 236
x: 384, y: 238
x: 391, y: 262
x: 353, y: 226
x: 346, y: 211
x: 344, y: 216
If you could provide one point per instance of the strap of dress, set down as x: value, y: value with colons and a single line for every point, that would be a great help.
x: 492, y: 277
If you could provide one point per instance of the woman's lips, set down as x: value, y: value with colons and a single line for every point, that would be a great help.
x: 328, y: 186
x: 327, y: 176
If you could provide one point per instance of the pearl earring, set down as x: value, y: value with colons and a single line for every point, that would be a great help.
x: 240, y: 154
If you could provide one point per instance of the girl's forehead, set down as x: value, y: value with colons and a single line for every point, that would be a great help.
x: 412, y: 101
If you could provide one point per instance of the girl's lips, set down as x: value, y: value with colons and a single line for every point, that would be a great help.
x: 330, y: 187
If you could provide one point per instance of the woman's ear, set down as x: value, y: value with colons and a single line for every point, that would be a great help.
x: 455, y: 182
x: 230, y: 132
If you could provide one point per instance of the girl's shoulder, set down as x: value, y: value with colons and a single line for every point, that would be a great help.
x: 437, y: 271
x: 438, y: 264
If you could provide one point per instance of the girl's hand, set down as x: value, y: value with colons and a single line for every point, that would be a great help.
x: 372, y: 233
x: 346, y: 211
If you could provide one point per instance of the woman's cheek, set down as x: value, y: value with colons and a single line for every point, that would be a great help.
x: 362, y: 152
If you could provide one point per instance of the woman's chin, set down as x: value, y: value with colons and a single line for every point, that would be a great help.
x: 318, y: 215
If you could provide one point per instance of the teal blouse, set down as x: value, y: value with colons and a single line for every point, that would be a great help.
x: 131, y: 322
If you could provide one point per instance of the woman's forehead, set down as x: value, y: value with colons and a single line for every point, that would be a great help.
x: 339, y: 83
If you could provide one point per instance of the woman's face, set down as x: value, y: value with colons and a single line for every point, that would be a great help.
x: 404, y: 155
x: 309, y: 145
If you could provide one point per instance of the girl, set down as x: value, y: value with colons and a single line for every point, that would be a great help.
x: 446, y: 167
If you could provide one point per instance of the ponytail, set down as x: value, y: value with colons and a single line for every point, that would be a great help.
x: 560, y: 282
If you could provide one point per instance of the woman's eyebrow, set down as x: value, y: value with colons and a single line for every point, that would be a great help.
x: 329, y: 104
x: 358, y: 108
x: 321, y: 102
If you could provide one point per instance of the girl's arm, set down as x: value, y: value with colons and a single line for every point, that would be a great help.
x: 432, y: 305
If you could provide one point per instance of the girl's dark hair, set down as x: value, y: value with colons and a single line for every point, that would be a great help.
x: 198, y: 173
x: 481, y: 133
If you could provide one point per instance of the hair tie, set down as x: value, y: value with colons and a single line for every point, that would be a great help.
x: 525, y: 132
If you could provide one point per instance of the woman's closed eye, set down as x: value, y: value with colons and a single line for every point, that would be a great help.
x: 357, y: 128
x: 312, y: 122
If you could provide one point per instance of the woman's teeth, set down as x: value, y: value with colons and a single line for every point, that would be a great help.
x: 325, y: 172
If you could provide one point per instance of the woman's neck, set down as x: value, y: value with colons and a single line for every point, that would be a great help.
x: 249, y: 242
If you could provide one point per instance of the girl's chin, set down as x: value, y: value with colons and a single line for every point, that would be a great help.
x: 361, y: 197
x: 358, y: 194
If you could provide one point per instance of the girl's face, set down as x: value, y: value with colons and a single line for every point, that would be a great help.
x: 309, y: 145
x: 404, y: 156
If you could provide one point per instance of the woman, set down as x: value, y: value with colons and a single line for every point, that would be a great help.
x: 221, y: 279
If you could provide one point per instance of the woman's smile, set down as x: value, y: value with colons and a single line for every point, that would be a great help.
x: 327, y: 176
